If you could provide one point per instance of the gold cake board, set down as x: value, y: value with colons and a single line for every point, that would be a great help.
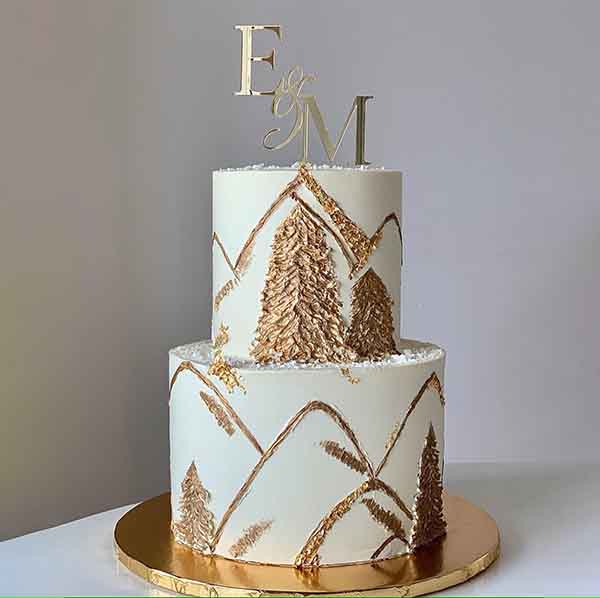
x: 144, y: 544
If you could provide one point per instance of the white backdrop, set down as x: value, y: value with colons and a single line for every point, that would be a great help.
x: 112, y: 116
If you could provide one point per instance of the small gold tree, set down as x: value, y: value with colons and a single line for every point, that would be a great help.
x: 371, y: 332
x: 428, y: 508
x: 300, y: 318
x: 196, y: 526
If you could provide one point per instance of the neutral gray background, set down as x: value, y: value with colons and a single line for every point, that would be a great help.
x: 112, y: 116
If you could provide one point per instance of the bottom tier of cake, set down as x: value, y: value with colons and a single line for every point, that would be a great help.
x: 307, y: 465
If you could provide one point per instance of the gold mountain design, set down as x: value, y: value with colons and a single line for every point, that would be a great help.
x: 433, y: 383
x: 354, y: 243
x: 377, y: 236
x: 308, y: 555
x: 361, y: 245
x: 371, y: 333
x: 243, y: 259
x: 329, y: 411
x: 301, y: 317
x: 216, y: 239
x: 188, y: 366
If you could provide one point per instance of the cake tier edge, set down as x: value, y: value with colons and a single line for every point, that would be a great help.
x: 274, y: 230
x: 307, y: 465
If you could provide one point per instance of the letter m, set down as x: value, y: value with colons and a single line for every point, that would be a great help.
x: 311, y: 108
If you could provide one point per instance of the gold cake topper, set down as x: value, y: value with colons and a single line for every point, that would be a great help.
x: 288, y: 99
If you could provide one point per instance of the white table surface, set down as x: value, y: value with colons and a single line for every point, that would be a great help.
x: 548, y: 515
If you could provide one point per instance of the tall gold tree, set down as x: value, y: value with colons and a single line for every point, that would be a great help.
x: 428, y: 508
x: 196, y: 526
x: 300, y: 318
x: 371, y: 333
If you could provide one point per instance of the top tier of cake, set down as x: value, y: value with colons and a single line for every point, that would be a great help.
x: 306, y: 263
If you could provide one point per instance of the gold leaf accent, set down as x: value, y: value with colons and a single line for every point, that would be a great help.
x: 223, y: 292
x: 220, y: 368
x: 222, y: 338
x: 300, y: 318
x: 218, y: 413
x: 371, y: 333
x: 348, y: 375
x: 338, y: 452
x: 385, y: 518
x: 399, y: 426
x: 188, y: 366
x: 428, y: 508
x: 196, y: 525
x: 250, y: 536
x: 359, y: 242
x: 308, y: 553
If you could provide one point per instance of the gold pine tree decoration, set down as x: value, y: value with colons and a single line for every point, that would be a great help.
x: 300, y: 318
x: 428, y: 508
x: 371, y: 333
x: 196, y: 526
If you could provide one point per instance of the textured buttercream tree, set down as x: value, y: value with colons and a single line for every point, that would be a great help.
x: 428, y: 508
x: 371, y: 333
x: 300, y: 318
x: 196, y: 525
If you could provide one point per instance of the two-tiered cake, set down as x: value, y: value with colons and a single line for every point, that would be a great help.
x: 307, y: 432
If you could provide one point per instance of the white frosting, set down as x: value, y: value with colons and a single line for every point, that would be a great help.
x: 295, y: 483
x: 300, y: 483
x: 409, y: 352
x: 241, y: 198
x: 296, y: 165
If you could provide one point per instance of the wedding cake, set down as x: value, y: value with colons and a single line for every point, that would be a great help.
x: 307, y: 432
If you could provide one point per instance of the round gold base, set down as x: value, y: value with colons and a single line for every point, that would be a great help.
x: 144, y: 544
